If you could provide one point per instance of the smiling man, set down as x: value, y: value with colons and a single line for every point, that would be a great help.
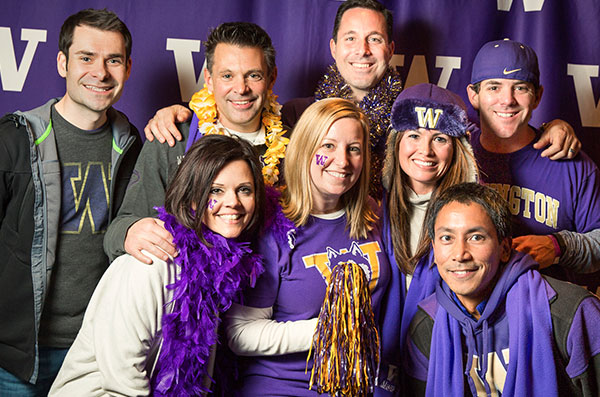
x: 64, y: 168
x: 493, y: 316
x: 555, y: 204
x: 237, y: 100
x: 362, y: 46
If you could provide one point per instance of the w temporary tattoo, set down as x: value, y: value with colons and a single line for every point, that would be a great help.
x: 211, y: 204
x: 320, y: 159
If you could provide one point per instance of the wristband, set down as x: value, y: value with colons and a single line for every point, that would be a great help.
x: 557, y: 250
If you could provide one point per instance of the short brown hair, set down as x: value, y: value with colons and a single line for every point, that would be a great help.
x: 241, y: 34
x: 190, y: 187
x: 489, y: 199
x: 369, y: 5
x: 99, y: 19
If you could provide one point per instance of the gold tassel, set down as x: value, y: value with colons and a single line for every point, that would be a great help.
x: 346, y: 342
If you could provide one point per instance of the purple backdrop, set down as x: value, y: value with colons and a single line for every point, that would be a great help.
x: 436, y: 41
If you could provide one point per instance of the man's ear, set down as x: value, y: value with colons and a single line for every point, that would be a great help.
x: 506, y: 247
x: 61, y: 64
x: 433, y: 263
x: 391, y: 47
x: 473, y: 96
x: 208, y: 80
x: 128, y: 68
x: 273, y: 78
x: 538, y: 96
x: 332, y: 47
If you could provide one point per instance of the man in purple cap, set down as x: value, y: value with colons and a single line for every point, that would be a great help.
x: 495, y: 326
x: 555, y: 205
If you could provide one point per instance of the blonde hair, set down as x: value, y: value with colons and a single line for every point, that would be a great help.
x: 313, y: 125
x: 461, y: 169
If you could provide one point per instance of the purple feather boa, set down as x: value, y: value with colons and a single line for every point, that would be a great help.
x: 275, y: 221
x: 209, y: 281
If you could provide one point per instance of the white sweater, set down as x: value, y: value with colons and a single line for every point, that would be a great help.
x: 116, y: 348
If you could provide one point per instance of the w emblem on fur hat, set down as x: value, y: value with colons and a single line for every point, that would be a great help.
x: 431, y: 107
x: 428, y: 117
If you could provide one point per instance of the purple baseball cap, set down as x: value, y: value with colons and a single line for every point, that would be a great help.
x: 431, y: 107
x: 506, y: 59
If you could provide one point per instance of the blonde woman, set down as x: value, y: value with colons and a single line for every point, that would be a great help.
x: 329, y: 218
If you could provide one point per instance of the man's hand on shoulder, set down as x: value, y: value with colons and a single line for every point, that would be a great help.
x: 560, y: 141
x: 541, y: 248
x: 149, y: 234
x: 162, y: 125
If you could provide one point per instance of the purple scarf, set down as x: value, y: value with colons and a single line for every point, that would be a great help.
x: 195, y: 133
x: 398, y: 308
x: 209, y: 281
x: 531, y: 370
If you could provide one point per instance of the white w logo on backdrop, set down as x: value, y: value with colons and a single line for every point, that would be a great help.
x: 589, y: 111
x: 13, y: 77
x: 183, y: 50
x: 417, y: 72
x: 528, y: 5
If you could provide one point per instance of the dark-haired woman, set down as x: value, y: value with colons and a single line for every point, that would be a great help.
x: 152, y: 329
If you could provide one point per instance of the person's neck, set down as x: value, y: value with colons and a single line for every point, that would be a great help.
x: 471, y: 307
x: 79, y: 116
x: 245, y: 128
x: 358, y: 95
x: 495, y: 144
x: 325, y: 206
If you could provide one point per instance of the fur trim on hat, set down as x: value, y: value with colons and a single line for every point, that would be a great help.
x: 389, y: 163
x: 453, y: 121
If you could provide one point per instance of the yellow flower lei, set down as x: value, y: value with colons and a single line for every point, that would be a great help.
x: 204, y: 105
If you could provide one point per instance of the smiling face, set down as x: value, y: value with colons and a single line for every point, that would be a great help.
x: 231, y: 201
x: 467, y: 251
x: 505, y: 107
x: 240, y: 82
x: 425, y: 156
x: 362, y: 50
x: 337, y: 164
x: 95, y: 73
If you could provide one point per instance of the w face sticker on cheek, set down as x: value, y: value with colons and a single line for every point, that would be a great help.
x: 320, y: 159
x: 211, y: 204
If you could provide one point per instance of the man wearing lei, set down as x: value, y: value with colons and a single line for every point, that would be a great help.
x: 237, y: 100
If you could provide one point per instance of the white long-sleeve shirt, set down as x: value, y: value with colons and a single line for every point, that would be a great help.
x: 120, y: 338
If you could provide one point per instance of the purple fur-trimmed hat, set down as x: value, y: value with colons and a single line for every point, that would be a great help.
x: 431, y: 107
x: 506, y: 59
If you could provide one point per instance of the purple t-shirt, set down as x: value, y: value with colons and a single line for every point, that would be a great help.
x: 545, y: 196
x: 294, y: 285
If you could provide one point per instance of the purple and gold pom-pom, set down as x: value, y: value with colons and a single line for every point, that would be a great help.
x: 345, y: 347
